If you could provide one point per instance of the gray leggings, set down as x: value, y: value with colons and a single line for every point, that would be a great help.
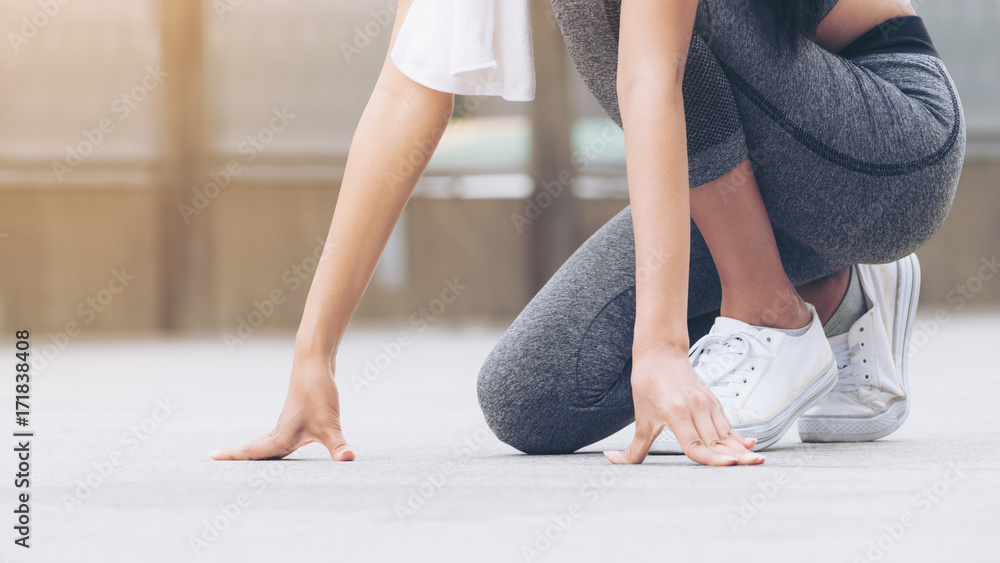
x: 857, y: 162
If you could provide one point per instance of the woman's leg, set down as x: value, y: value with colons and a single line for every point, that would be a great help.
x: 559, y: 379
x: 734, y: 222
x: 826, y: 293
x: 857, y: 159
x: 851, y: 168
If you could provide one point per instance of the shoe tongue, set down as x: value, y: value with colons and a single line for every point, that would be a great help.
x: 840, y: 346
x: 725, y: 324
x: 838, y: 340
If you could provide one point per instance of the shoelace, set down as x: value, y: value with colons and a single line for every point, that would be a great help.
x: 852, y: 372
x: 718, y: 356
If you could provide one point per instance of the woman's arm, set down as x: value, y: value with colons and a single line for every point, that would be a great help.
x: 653, y: 50
x: 655, y: 37
x: 397, y: 134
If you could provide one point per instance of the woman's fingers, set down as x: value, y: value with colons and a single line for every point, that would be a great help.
x: 342, y: 453
x: 636, y: 452
x: 700, y: 440
x: 726, y: 429
x: 335, y: 443
x: 734, y: 443
x: 274, y: 446
x: 265, y: 447
x: 702, y: 430
x: 695, y: 447
x: 713, y: 439
x: 747, y: 442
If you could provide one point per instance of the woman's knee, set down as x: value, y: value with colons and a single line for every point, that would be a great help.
x: 518, y: 409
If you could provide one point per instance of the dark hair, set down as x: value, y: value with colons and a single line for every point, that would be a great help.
x: 794, y: 19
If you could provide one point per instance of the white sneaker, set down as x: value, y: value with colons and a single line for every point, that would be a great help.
x: 764, y: 378
x: 870, y: 400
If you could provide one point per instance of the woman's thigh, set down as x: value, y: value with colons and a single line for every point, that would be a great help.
x: 858, y: 159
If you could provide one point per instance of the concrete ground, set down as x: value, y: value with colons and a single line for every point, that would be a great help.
x: 111, y: 483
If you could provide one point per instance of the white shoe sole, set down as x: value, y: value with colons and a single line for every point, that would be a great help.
x: 880, y: 424
x: 770, y: 430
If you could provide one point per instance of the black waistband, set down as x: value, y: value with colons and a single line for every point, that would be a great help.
x: 906, y: 34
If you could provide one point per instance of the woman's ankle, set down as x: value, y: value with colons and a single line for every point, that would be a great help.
x: 826, y: 294
x: 783, y: 309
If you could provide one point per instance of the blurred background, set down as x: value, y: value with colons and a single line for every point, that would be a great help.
x: 174, y: 165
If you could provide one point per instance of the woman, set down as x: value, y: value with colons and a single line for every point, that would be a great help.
x: 802, y: 137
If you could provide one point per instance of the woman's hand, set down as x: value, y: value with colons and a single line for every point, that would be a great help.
x: 311, y: 414
x: 667, y: 393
